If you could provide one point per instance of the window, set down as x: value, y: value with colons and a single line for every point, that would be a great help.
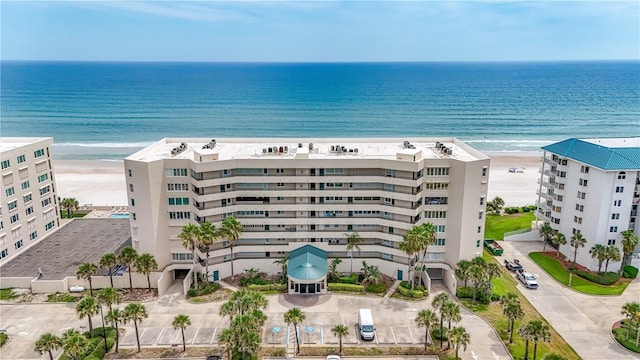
x: 579, y: 207
x: 480, y: 215
x: 333, y: 185
x: 622, y: 175
x: 25, y: 185
x: 21, y: 159
x: 4, y: 253
x: 334, y: 171
x: 477, y: 243
x: 436, y: 186
x: 31, y: 224
x: 613, y: 229
x: 435, y: 214
x: 14, y: 218
x: 619, y: 189
x: 179, y: 201
x: 615, y: 216
x: 133, y: 215
x: 584, y: 169
x: 479, y: 229
x: 577, y: 220
x: 50, y: 225
x: 182, y: 257
x: 45, y: 190
x: 130, y: 172
x: 16, y: 232
x: 617, y: 203
x: 439, y: 242
x: 179, y: 215
x: 29, y: 210
x: 175, y: 172
x: 482, y: 200
x: 484, y: 171
x: 582, y: 182
x: 18, y: 244
x: 389, y: 173
x: 611, y: 242
x: 27, y: 198
x: 333, y: 198
x: 46, y: 201
x: 43, y: 177
x: 5, y: 164
x: 133, y: 202
x: 280, y: 184
x: 13, y: 204
x: 33, y: 235
x: 38, y: 153
x: 280, y: 198
x: 437, y: 171
x: 279, y: 171
x: 9, y: 191
x: 440, y: 228
x: 131, y: 187
x: 581, y: 195
x: 176, y: 187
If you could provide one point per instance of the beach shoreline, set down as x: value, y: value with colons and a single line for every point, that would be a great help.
x: 103, y: 182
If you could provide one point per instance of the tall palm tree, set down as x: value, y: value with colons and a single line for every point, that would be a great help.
x: 128, y: 257
x: 613, y: 254
x: 559, y: 239
x: 477, y: 275
x: 451, y: 313
x: 340, y: 331
x: 231, y: 230
x: 371, y: 273
x: 136, y: 312
x: 283, y: 262
x: 207, y: 235
x: 48, y: 342
x: 428, y: 319
x: 145, y: 264
x: 334, y: 275
x: 74, y: 343
x: 353, y: 243
x: 228, y: 309
x: 426, y: 236
x: 525, y: 333
x: 438, y: 303
x: 629, y: 242
x: 108, y: 261
x: 460, y: 337
x: 577, y: 241
x: 513, y: 311
x: 226, y: 339
x: 249, y: 343
x: 86, y: 271
x: 181, y: 322
x: 189, y: 237
x: 539, y: 331
x: 598, y: 251
x: 115, y: 317
x: 462, y: 270
x: 547, y: 232
x: 88, y: 306
x: 410, y: 247
x: 295, y: 316
x: 630, y: 311
x: 70, y: 204
x: 109, y: 296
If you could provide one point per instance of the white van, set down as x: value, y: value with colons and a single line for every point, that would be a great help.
x: 365, y: 324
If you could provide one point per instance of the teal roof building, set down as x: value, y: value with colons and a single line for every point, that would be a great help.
x: 307, y: 263
x: 613, y: 157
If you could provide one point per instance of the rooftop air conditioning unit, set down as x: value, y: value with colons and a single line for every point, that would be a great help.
x: 264, y: 150
x: 355, y: 150
x: 286, y: 149
x: 299, y: 145
x: 333, y: 148
x: 310, y: 146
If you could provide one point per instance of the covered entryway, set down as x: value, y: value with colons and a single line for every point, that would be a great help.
x: 307, y: 271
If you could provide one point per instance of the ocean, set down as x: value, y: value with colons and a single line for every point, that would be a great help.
x: 108, y: 110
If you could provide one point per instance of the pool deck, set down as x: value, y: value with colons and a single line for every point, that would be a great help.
x: 105, y: 212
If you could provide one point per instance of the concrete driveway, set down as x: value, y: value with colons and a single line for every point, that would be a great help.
x: 584, y: 321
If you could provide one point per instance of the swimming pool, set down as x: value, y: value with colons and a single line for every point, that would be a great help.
x: 119, y: 216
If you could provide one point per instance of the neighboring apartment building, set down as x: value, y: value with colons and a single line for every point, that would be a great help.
x: 29, y: 208
x: 292, y: 192
x: 591, y: 186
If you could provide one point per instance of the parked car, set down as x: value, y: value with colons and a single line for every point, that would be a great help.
x: 333, y: 357
x: 76, y: 289
x: 213, y: 357
x: 527, y: 279
x: 512, y: 265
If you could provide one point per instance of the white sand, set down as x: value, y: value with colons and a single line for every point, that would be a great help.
x: 103, y: 183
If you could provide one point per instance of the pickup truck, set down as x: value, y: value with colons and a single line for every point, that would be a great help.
x: 512, y: 265
x: 527, y: 279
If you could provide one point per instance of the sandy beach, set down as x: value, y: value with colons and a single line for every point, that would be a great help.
x: 101, y: 183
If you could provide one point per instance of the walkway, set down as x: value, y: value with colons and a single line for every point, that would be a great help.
x: 584, y: 321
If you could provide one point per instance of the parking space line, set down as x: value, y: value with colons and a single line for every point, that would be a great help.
x: 394, y: 336
x: 375, y: 336
x: 413, y: 341
x: 195, y: 336
x: 158, y: 338
x: 176, y: 338
x: 321, y: 336
x: 143, y: 331
x: 214, y: 335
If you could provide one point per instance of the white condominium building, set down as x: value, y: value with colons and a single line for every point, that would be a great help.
x: 29, y: 208
x: 288, y: 193
x: 591, y: 186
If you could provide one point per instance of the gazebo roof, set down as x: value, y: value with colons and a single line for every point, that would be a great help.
x: 307, y: 263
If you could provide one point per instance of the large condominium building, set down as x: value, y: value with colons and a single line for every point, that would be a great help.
x: 288, y: 193
x: 591, y: 186
x: 29, y: 208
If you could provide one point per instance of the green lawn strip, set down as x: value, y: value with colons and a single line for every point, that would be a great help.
x: 497, y: 225
x: 621, y: 337
x: 555, y: 269
x: 493, y: 314
x: 7, y: 294
x: 3, y: 339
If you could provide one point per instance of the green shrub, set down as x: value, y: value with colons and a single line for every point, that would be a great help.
x: 552, y: 356
x: 208, y: 289
x: 376, y: 288
x: 532, y: 207
x: 467, y: 293
x: 60, y: 297
x: 352, y: 279
x: 629, y: 272
x: 606, y: 279
x: 405, y: 284
x: 525, y: 209
x: 8, y: 294
x: 410, y: 293
x: 436, y: 333
x: 345, y: 287
x: 268, y: 287
x: 256, y: 280
x: 3, y: 339
x: 192, y: 293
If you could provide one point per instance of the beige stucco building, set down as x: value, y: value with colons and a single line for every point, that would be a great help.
x: 29, y: 206
x: 291, y: 192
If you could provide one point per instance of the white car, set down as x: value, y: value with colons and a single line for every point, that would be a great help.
x: 527, y: 279
x: 76, y: 289
x: 333, y: 357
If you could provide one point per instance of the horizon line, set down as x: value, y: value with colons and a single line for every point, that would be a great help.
x: 318, y: 62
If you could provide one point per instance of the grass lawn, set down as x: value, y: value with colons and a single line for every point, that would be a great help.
x: 3, y: 339
x: 621, y: 337
x: 7, y: 294
x: 493, y: 313
x: 554, y: 268
x: 496, y: 225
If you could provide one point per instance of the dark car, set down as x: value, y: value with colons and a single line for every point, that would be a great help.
x: 512, y: 265
x: 213, y: 357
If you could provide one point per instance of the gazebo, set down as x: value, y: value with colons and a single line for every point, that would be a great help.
x: 307, y: 271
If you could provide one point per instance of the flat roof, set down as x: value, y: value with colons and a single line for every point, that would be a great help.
x: 326, y: 148
x: 10, y: 143
x: 77, y: 242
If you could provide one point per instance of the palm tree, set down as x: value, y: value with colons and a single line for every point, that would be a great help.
x: 451, y: 313
x: 629, y: 242
x: 340, y: 331
x: 426, y: 236
x: 231, y: 230
x: 525, y: 333
x: 630, y: 310
x: 410, y: 247
x: 598, y: 251
x: 228, y: 309
x: 115, y: 316
x: 476, y: 274
x: 577, y: 241
x: 438, y: 303
x: 283, y: 262
x: 145, y: 264
x: 226, y: 339
x: 559, y: 239
x: 613, y: 254
x: 109, y: 296
x: 128, y: 257
x: 189, y: 237
x: 48, y: 342
x: 74, y: 343
x: 462, y: 270
x: 181, y: 322
x: 539, y: 331
x: 136, y: 312
x: 86, y: 272
x: 334, y: 276
x: 70, y: 204
x: 496, y: 204
x: 249, y: 343
x: 207, y: 235
x: 506, y: 300
x: 370, y: 273
x: 353, y: 243
x: 107, y: 261
x: 87, y: 306
x: 547, y: 232
x: 295, y: 316
x: 513, y: 311
x: 428, y: 319
x: 460, y: 337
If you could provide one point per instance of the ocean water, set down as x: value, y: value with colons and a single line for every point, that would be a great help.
x: 109, y: 110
